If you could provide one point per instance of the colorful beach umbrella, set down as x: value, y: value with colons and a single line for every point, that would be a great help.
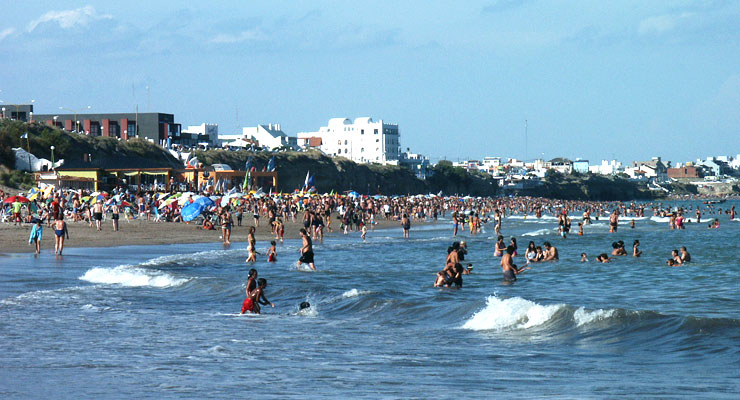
x: 13, y: 199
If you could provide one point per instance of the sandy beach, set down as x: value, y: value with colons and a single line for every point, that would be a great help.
x: 14, y: 239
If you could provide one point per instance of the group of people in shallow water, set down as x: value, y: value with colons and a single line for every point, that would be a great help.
x: 451, y: 274
x: 476, y: 213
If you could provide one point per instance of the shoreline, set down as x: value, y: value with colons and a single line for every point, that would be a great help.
x: 14, y: 239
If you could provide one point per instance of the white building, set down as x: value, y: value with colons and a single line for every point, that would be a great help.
x: 612, y: 167
x: 362, y: 141
x: 202, y: 133
x: 269, y: 136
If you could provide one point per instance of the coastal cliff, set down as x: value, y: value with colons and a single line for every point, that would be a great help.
x: 340, y: 174
x: 105, y: 152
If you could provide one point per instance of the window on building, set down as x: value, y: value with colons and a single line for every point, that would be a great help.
x: 376, y: 131
x: 362, y: 150
x: 339, y: 142
x: 345, y: 142
x: 377, y: 140
x: 362, y: 131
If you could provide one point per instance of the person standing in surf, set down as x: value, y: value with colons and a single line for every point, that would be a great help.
x: 60, y: 230
x: 508, y: 267
x: 248, y: 304
x: 37, y: 233
x: 226, y: 223
x: 613, y: 221
x: 406, y: 225
x: 252, y: 245
x: 306, y: 250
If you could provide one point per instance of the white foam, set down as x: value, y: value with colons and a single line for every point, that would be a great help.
x: 303, y: 267
x: 631, y: 218
x: 43, y: 295
x: 513, y: 313
x: 660, y: 219
x: 308, y: 312
x: 540, y: 232
x: 354, y: 293
x: 532, y: 217
x: 584, y: 317
x: 130, y: 276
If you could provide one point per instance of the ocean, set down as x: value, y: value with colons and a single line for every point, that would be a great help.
x: 163, y: 321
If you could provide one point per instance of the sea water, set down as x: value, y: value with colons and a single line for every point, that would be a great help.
x: 163, y: 321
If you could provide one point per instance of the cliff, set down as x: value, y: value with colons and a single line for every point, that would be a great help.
x: 340, y: 174
x: 104, y: 151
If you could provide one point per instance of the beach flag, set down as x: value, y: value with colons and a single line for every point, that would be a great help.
x: 245, y: 187
x: 24, y: 136
x: 305, y: 183
x: 310, y: 181
x: 271, y: 164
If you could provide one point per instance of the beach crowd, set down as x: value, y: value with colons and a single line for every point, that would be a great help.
x: 348, y: 213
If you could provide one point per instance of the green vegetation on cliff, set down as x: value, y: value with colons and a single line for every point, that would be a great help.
x: 591, y: 187
x: 340, y: 174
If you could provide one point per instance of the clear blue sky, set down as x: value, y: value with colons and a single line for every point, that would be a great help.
x: 624, y: 79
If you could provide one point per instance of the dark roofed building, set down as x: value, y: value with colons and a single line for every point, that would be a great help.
x: 159, y: 128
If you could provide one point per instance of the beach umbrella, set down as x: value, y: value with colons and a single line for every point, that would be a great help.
x: 353, y: 194
x: 167, y: 202
x: 125, y: 203
x: 205, y: 201
x: 13, y: 199
x: 192, y: 211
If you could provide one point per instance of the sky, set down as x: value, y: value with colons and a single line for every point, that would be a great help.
x: 593, y: 80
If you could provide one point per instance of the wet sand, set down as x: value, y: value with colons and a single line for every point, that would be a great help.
x: 14, y: 239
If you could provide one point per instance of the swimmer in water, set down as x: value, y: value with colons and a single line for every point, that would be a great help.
x: 583, y: 257
x: 603, y: 258
x: 676, y: 258
x: 304, y: 305
x: 272, y: 253
x: 248, y: 305
x: 500, y: 247
x: 636, y: 252
x: 508, y: 267
x: 258, y: 296
x: 618, y: 250
x: 685, y: 256
x: 551, y: 252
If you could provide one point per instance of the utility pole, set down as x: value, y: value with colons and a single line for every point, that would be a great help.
x: 525, y: 140
x: 28, y: 146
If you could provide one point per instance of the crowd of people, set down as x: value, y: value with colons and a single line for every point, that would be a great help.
x: 353, y: 214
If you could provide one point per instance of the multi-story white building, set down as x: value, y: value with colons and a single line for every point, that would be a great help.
x: 269, y: 136
x: 362, y: 141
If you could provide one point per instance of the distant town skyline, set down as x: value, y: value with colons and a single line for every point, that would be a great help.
x: 627, y: 81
